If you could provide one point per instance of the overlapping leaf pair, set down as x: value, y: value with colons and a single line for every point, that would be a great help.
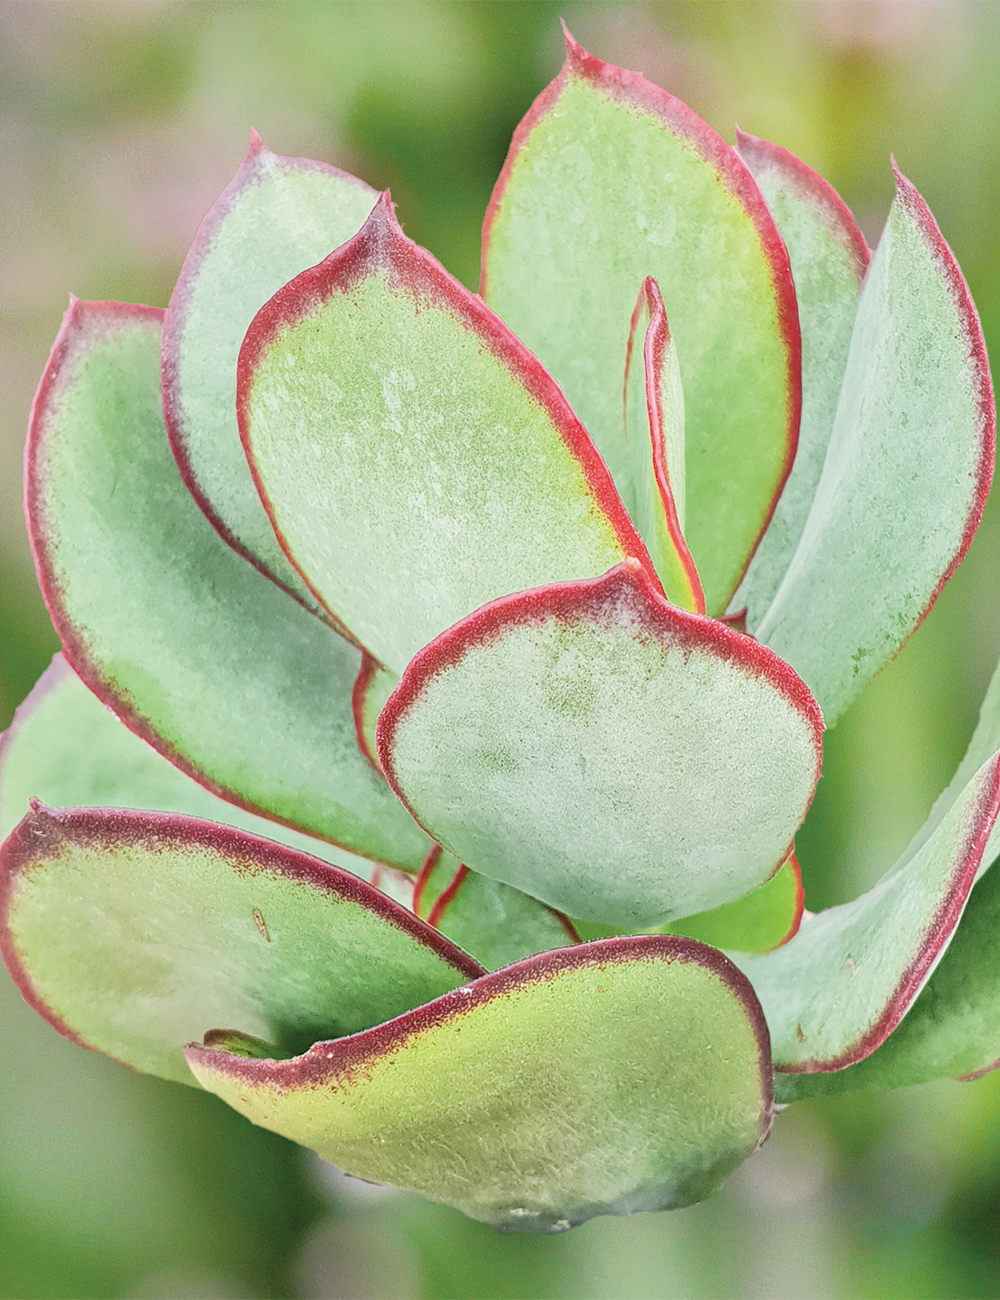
x: 453, y: 584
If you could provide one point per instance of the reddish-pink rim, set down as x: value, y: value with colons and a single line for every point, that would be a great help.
x: 344, y: 1060
x: 83, y: 325
x: 359, y: 695
x: 810, y: 187
x: 424, y: 875
x: 633, y: 88
x: 800, y: 903
x: 589, y: 600
x: 916, y: 208
x: 175, y: 321
x: 381, y: 245
x: 939, y: 931
x: 654, y: 350
x: 44, y: 827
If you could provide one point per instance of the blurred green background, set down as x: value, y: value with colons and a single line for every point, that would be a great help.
x: 120, y: 122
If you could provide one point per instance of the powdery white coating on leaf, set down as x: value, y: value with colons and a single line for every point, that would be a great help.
x: 609, y: 180
x: 415, y: 457
x: 598, y: 748
x: 829, y: 258
x: 841, y: 986
x: 907, y: 472
x: 623, y: 1075
x: 133, y: 931
x: 275, y: 218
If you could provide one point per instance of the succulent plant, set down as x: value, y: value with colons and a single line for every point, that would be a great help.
x: 530, y: 606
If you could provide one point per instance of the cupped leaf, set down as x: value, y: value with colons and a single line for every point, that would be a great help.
x: 628, y: 1074
x: 762, y: 920
x: 953, y: 1028
x: 610, y: 180
x: 604, y: 751
x: 654, y: 448
x: 130, y: 932
x: 69, y: 750
x: 275, y: 218
x: 196, y: 651
x: 829, y: 258
x: 907, y: 473
x: 496, y: 923
x: 838, y: 990
x: 415, y: 458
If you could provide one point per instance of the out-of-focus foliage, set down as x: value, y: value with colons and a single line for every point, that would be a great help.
x: 120, y: 123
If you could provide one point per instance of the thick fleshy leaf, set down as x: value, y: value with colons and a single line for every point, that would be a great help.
x: 629, y: 1074
x: 610, y: 180
x: 130, y: 932
x: 758, y: 922
x: 838, y: 990
x: 275, y: 218
x: 196, y: 651
x: 69, y: 750
x: 829, y: 258
x: 908, y: 470
x: 372, y: 688
x: 953, y: 1028
x: 415, y: 458
x: 614, y: 756
x: 654, y: 448
x: 496, y: 923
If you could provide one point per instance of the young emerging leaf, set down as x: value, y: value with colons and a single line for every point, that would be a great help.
x: 610, y: 754
x: 275, y: 218
x: 415, y: 458
x: 610, y: 180
x: 67, y: 749
x: 628, y: 1074
x: 758, y: 922
x: 829, y: 258
x: 497, y: 924
x: 133, y: 932
x: 907, y: 473
x: 194, y: 649
x: 842, y: 985
x: 654, y: 448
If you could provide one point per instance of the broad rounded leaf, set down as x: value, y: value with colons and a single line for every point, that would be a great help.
x: 275, y: 218
x: 614, y: 756
x: 628, y: 1074
x: 196, y: 651
x: 838, y: 990
x: 610, y: 180
x: 132, y: 932
x: 654, y: 445
x: 496, y: 923
x: 829, y: 258
x: 69, y: 750
x: 415, y: 458
x: 908, y: 470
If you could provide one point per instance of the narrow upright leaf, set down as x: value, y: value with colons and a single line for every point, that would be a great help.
x: 275, y: 218
x: 417, y: 461
x: 829, y: 258
x: 654, y: 445
x: 624, y: 1075
x: 610, y: 180
x: 614, y: 756
x: 838, y: 990
x: 908, y: 470
x: 132, y: 931
x: 195, y: 650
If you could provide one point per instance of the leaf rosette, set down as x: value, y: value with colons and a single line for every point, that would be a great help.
x: 444, y: 674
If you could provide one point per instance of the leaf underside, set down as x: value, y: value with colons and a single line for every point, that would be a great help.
x: 197, y: 651
x: 617, y: 758
x: 134, y: 932
x: 623, y: 1075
